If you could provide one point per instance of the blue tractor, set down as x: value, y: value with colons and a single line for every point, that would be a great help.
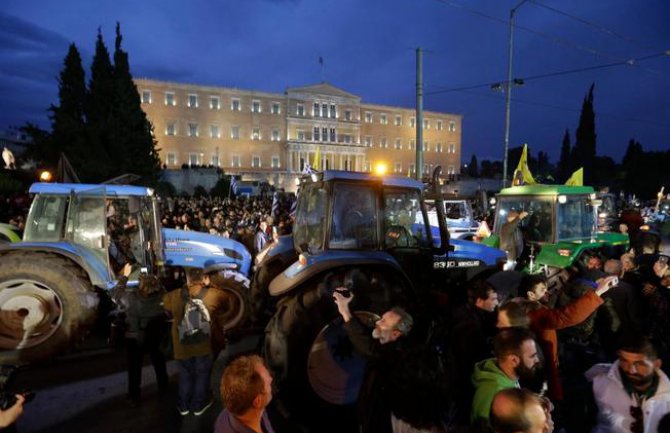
x: 373, y: 235
x: 76, y: 238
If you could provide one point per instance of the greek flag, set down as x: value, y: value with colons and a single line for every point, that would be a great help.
x: 233, y: 185
x: 275, y: 205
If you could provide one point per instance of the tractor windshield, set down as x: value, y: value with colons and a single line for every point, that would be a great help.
x: 46, y: 218
x: 455, y: 210
x: 575, y: 218
x: 537, y: 226
x: 354, y: 223
x: 310, y: 219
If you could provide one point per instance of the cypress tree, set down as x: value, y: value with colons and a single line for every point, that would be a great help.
x: 564, y: 162
x: 585, y: 140
x: 67, y: 119
x: 132, y: 134
x: 473, y: 167
x: 99, y: 166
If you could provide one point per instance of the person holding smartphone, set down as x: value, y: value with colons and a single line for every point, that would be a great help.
x: 11, y: 414
x: 656, y: 291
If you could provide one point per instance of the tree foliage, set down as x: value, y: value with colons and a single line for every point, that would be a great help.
x: 584, y: 152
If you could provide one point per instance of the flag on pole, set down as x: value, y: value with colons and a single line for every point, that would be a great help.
x: 577, y: 178
x: 233, y: 185
x: 522, y: 174
x: 316, y: 163
x: 275, y: 205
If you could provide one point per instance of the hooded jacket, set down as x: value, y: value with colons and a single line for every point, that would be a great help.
x: 487, y: 379
x: 614, y: 402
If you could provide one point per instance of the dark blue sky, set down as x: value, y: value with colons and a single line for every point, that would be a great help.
x: 368, y: 49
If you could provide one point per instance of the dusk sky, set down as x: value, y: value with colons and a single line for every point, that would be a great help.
x: 368, y: 47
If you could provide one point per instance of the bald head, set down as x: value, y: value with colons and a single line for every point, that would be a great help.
x: 517, y: 410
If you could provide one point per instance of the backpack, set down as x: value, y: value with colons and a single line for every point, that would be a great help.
x: 195, y: 325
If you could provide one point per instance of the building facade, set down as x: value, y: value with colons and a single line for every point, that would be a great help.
x: 270, y: 136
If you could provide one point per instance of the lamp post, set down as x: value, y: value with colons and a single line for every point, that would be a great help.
x: 508, y: 87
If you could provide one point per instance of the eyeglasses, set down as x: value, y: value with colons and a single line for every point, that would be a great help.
x: 637, y: 425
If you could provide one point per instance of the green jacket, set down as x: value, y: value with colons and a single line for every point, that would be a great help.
x: 487, y: 379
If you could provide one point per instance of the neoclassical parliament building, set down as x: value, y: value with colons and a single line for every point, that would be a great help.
x: 271, y: 136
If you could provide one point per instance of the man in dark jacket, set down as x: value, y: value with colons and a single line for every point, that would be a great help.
x: 382, y: 348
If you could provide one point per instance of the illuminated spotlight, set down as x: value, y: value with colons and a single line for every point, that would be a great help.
x: 46, y: 176
x: 562, y: 199
x: 380, y: 169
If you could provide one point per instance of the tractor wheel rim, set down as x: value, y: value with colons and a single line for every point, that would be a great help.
x: 30, y: 313
x: 234, y: 309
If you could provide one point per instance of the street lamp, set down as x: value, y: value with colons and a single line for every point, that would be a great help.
x: 508, y: 87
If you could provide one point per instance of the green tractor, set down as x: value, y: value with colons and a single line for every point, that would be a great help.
x: 560, y: 230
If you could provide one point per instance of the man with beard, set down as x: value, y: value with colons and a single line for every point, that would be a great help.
x: 382, y: 348
x: 516, y: 357
x: 632, y: 394
x: 545, y: 321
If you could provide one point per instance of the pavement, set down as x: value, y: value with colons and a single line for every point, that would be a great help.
x: 86, y: 392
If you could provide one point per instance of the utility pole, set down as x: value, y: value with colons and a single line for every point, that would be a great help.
x: 508, y: 88
x: 419, y: 114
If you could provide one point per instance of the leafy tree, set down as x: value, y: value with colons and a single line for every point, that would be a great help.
x: 585, y: 140
x: 565, y: 166
x: 473, y: 167
x: 100, y: 157
x: 131, y: 136
x: 221, y: 188
x: 67, y: 119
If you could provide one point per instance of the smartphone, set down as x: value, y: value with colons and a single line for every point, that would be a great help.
x: 344, y: 292
x: 663, y: 259
x: 613, y: 282
x: 144, y: 271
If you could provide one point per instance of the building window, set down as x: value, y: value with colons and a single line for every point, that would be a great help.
x: 412, y: 122
x: 170, y: 99
x: 171, y: 158
x: 324, y: 134
x: 426, y: 124
x: 276, y: 135
x: 275, y: 161
x: 397, y: 168
x: 382, y: 143
x: 192, y: 129
x: 214, y: 103
x: 146, y: 96
x: 235, y: 104
x: 345, y: 138
x: 193, y: 101
x: 412, y: 168
x: 316, y: 135
x: 215, y: 160
x: 316, y: 110
x: 451, y: 170
x: 255, y: 106
x: 215, y: 131
x: 398, y: 144
x: 333, y: 111
x: 368, y: 141
x: 193, y: 159
x: 347, y: 115
x: 398, y: 121
x: 256, y: 161
x: 426, y: 168
x: 368, y: 117
x: 426, y: 146
x: 452, y: 147
x: 300, y: 110
x: 300, y: 134
x: 333, y: 135
x: 383, y: 119
x: 236, y: 161
x: 438, y: 148
x: 368, y: 166
x: 324, y: 110
x: 452, y: 126
x: 440, y: 125
x: 171, y: 129
x: 412, y: 144
x: 275, y: 108
x: 255, y: 133
x: 235, y: 132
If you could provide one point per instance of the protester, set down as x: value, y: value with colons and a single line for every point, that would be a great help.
x: 517, y: 410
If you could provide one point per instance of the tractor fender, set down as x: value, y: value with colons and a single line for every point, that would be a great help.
x: 296, y: 274
x: 198, y: 250
x: 275, y: 251
x: 97, y: 271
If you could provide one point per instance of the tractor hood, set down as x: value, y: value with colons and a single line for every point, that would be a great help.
x: 195, y: 249
x: 474, y: 250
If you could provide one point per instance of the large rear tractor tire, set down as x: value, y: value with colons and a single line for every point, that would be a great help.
x: 46, y: 304
x: 231, y: 313
x: 316, y: 369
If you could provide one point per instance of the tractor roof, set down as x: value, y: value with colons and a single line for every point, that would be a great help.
x: 546, y: 190
x: 110, y: 190
x: 404, y: 182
